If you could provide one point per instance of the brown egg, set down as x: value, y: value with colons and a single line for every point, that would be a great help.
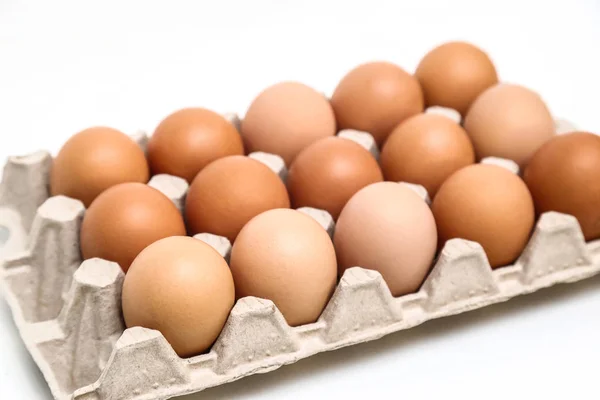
x: 125, y: 219
x: 229, y: 192
x: 328, y: 172
x: 508, y: 121
x: 285, y: 256
x: 489, y: 205
x: 426, y: 149
x: 375, y: 97
x: 285, y: 118
x: 95, y: 159
x: 189, y: 139
x: 454, y: 74
x: 183, y: 288
x: 387, y: 227
x: 564, y: 176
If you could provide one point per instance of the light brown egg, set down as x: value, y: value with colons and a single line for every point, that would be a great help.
x: 328, y: 172
x: 285, y: 256
x: 183, y: 288
x: 564, y: 176
x: 509, y: 121
x: 285, y: 118
x: 375, y: 97
x: 387, y: 227
x: 95, y: 159
x: 453, y: 75
x: 125, y: 219
x: 489, y: 205
x: 226, y: 194
x: 426, y: 149
x: 189, y: 139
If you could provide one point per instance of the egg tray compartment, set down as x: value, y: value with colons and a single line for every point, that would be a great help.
x: 69, y: 315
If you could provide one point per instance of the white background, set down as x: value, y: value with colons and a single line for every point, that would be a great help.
x: 67, y: 65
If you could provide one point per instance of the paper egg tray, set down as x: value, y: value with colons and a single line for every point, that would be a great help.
x: 69, y: 313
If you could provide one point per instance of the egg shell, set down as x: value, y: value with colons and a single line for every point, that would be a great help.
x: 387, y: 227
x: 229, y: 192
x: 285, y: 118
x: 453, y: 74
x: 509, y: 121
x: 426, y: 149
x: 327, y: 173
x: 487, y: 204
x: 223, y: 246
x: 285, y: 256
x: 375, y: 97
x: 125, y: 219
x: 95, y: 159
x: 564, y: 176
x: 189, y: 139
x: 181, y: 287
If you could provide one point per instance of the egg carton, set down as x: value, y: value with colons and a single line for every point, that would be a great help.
x: 68, y: 312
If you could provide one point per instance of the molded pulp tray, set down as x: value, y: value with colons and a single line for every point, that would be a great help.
x: 69, y: 312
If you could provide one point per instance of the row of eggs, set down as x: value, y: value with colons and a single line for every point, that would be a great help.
x: 183, y: 288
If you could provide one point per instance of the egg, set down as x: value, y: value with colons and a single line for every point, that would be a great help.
x: 387, y: 227
x: 125, y: 219
x: 95, y: 159
x: 509, y: 121
x: 489, y: 205
x: 229, y: 192
x: 189, y: 139
x: 285, y: 118
x: 425, y: 150
x: 564, y: 176
x: 453, y: 75
x: 375, y: 97
x: 181, y: 287
x: 285, y: 256
x: 328, y: 172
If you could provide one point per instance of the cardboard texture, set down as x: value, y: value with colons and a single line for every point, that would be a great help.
x: 69, y: 313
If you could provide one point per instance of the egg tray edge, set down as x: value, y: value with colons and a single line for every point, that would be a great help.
x: 78, y: 339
